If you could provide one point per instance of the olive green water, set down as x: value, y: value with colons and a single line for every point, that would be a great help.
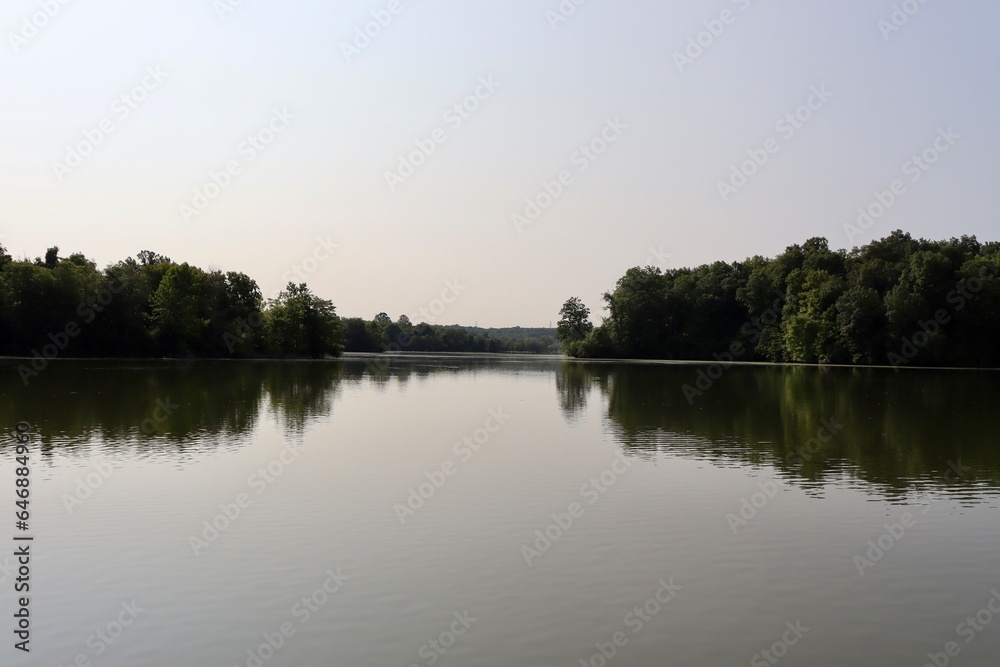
x: 504, y: 511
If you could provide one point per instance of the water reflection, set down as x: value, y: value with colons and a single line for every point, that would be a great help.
x: 892, y: 430
x: 166, y: 405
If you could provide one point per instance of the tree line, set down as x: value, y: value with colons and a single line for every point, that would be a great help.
x: 150, y: 306
x: 897, y: 301
x: 382, y: 334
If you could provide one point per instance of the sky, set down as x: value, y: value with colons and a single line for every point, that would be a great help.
x: 481, y: 162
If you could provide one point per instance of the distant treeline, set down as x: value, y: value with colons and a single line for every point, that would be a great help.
x: 151, y: 306
x: 898, y: 301
x: 382, y: 334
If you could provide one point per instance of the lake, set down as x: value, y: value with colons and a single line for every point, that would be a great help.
x: 483, y: 511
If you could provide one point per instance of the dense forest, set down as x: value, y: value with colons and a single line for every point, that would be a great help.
x: 151, y: 306
x: 898, y: 301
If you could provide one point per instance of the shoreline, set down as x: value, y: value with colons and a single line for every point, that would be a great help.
x: 513, y: 356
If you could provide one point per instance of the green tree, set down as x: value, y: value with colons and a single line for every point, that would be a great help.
x: 357, y: 336
x: 27, y: 293
x: 574, y: 323
x: 150, y: 258
x: 122, y: 327
x: 809, y: 320
x: 644, y: 316
x: 237, y: 320
x: 300, y: 324
x: 179, y: 310
x: 861, y: 324
x: 52, y: 257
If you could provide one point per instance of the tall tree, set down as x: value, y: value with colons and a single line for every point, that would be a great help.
x: 52, y: 257
x: 179, y: 310
x: 300, y: 324
x: 574, y: 323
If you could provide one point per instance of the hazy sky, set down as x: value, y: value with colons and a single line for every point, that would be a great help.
x: 310, y: 118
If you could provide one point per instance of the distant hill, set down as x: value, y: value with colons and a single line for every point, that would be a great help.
x: 508, y: 333
x: 382, y: 334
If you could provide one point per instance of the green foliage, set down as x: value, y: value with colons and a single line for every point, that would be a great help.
x: 809, y: 318
x: 574, y: 322
x: 597, y: 345
x: 358, y: 337
x: 51, y: 257
x: 384, y: 335
x: 644, y: 314
x: 178, y: 308
x: 149, y: 305
x: 531, y: 340
x: 814, y: 304
x: 300, y: 324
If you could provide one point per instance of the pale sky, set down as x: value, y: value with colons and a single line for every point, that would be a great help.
x: 199, y: 80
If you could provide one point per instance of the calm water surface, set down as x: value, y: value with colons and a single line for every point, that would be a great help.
x: 482, y: 512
